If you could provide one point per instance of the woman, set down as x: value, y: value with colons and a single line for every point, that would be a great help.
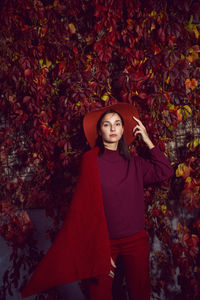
x: 106, y: 217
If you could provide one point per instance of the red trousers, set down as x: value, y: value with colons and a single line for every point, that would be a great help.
x: 135, y: 253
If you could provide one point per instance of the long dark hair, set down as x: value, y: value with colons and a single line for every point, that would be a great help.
x: 122, y: 146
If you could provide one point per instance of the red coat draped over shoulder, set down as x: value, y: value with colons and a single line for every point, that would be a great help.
x: 81, y: 249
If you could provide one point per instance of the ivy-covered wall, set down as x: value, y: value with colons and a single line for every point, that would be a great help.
x: 60, y: 59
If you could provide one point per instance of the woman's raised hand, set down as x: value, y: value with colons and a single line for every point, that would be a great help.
x: 140, y: 129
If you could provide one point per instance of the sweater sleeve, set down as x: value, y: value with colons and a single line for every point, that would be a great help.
x: 157, y: 169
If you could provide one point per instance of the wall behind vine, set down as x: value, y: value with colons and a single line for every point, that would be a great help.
x: 61, y: 59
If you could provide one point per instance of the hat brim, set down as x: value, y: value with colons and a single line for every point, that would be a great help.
x: 127, y: 111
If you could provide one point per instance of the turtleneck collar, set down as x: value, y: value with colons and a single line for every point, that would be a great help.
x: 110, y: 155
x: 109, y: 151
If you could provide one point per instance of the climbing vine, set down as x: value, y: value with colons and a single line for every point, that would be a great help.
x: 61, y: 59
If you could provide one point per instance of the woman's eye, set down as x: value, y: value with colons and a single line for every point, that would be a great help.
x: 118, y: 124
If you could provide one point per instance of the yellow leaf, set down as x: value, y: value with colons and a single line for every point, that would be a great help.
x: 193, y: 57
x: 188, y: 109
x: 153, y: 13
x: 56, y: 2
x: 48, y: 63
x: 167, y: 80
x: 171, y: 106
x: 164, y: 208
x: 196, y: 142
x: 183, y: 112
x: 196, y: 32
x: 41, y: 62
x: 182, y: 171
x: 190, y: 25
x: 105, y: 97
x: 193, y: 144
x: 188, y: 179
x: 72, y: 28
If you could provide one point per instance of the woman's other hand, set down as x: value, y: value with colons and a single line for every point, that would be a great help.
x: 111, y: 274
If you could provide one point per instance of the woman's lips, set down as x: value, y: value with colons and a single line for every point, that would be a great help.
x: 113, y: 135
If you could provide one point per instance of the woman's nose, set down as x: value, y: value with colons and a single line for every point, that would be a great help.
x: 113, y: 127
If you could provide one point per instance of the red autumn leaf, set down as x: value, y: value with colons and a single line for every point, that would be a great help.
x: 145, y: 44
x: 27, y: 73
x: 161, y: 34
x: 62, y: 67
x: 142, y: 95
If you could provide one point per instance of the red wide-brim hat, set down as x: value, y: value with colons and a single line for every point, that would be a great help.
x: 127, y: 111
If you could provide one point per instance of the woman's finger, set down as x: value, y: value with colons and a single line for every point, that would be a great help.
x: 136, y: 132
x: 137, y: 129
x: 139, y: 122
x: 113, y: 263
x: 111, y: 274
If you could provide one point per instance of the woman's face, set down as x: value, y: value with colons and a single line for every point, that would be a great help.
x: 111, y: 130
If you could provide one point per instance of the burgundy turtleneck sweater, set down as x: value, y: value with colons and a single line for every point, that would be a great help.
x: 122, y: 184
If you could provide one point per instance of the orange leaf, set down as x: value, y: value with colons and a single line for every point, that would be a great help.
x: 188, y: 84
x: 194, y: 83
x: 72, y: 28
x: 183, y: 171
